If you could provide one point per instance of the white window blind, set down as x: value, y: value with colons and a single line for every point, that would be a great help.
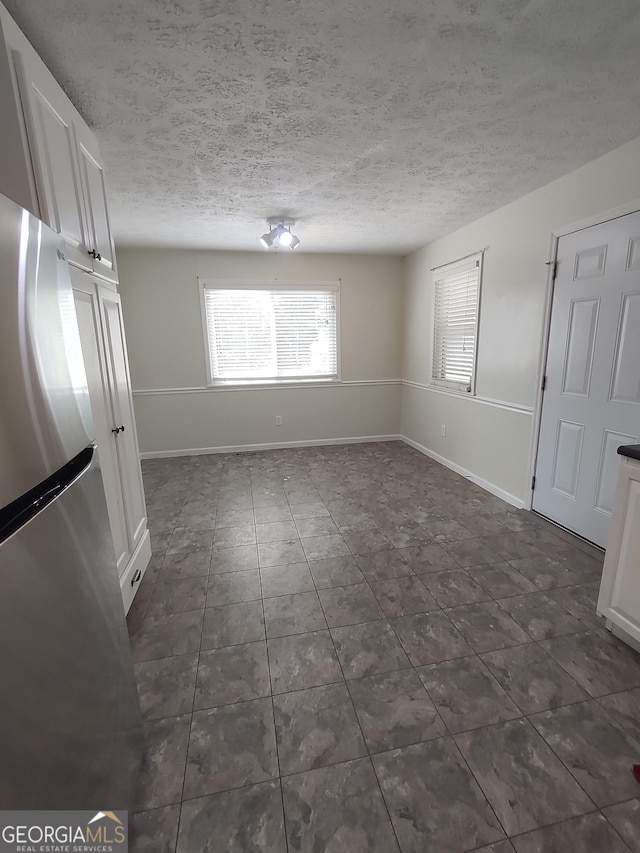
x: 270, y: 332
x: 455, y: 326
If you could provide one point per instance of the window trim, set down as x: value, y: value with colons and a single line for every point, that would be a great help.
x: 438, y: 273
x: 257, y: 284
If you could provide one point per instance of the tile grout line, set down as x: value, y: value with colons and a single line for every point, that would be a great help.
x: 195, y: 687
x: 197, y: 678
x: 273, y: 711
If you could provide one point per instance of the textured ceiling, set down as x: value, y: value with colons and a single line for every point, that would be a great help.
x: 378, y: 126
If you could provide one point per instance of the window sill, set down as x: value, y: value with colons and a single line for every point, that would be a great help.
x: 444, y: 389
x: 256, y: 384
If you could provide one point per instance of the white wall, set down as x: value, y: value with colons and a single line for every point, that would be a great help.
x: 176, y: 412
x: 491, y: 440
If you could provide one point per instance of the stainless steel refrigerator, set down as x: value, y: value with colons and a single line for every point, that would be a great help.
x: 70, y: 724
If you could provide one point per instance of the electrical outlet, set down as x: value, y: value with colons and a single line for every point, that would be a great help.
x: 278, y: 420
x: 443, y: 430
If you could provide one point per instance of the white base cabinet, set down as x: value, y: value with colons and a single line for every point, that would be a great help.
x: 619, y: 599
x: 105, y: 356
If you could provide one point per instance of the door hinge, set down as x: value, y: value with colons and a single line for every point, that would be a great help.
x: 533, y: 482
x: 544, y: 383
x: 554, y: 269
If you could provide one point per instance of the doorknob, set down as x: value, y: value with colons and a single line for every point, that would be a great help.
x: 95, y: 255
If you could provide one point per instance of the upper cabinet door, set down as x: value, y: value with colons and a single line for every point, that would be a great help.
x: 64, y: 155
x: 53, y: 150
x: 92, y: 177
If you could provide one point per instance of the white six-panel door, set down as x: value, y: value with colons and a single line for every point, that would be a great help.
x: 591, y: 403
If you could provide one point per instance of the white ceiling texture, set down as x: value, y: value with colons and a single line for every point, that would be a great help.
x: 378, y: 126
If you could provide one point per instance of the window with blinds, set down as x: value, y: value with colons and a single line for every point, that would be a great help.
x: 455, y: 324
x: 270, y: 332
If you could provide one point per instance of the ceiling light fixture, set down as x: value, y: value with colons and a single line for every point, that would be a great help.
x: 280, y: 234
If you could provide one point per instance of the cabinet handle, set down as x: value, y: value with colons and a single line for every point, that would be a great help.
x: 136, y: 577
x: 116, y: 430
x: 95, y: 255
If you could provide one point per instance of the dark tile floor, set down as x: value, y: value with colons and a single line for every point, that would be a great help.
x: 353, y: 649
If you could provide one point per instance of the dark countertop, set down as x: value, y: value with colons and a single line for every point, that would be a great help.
x: 630, y: 450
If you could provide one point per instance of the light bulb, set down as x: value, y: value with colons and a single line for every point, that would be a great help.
x: 286, y: 237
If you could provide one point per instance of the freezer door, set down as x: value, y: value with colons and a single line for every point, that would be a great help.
x: 70, y: 724
x: 45, y: 414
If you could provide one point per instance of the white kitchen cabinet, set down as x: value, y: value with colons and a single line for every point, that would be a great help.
x: 105, y: 356
x: 97, y: 212
x: 619, y: 599
x: 64, y: 157
x: 50, y: 164
x: 122, y: 407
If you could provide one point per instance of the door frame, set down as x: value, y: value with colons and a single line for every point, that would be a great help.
x: 580, y: 225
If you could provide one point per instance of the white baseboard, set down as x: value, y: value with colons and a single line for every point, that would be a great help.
x: 242, y: 448
x: 359, y: 439
x: 479, y: 481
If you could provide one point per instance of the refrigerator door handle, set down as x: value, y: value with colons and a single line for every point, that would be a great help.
x: 19, y: 512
